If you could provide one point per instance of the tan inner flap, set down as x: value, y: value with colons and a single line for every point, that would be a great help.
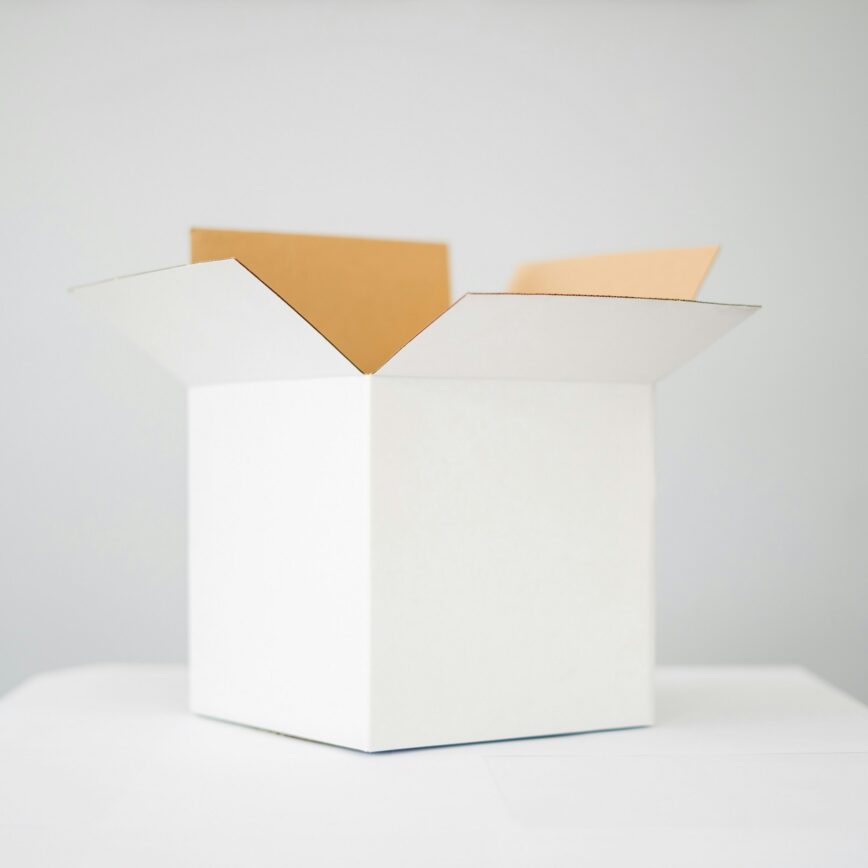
x: 648, y: 274
x: 367, y: 297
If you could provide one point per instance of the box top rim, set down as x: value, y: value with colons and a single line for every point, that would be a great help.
x: 427, y: 353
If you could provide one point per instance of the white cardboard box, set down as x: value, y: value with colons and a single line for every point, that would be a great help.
x: 456, y: 547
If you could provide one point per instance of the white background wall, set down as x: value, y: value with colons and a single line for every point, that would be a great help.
x: 513, y: 130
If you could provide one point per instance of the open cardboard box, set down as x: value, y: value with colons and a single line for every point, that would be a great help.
x: 412, y: 524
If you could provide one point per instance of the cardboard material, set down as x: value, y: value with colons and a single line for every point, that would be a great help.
x: 214, y: 323
x: 511, y: 572
x: 279, y: 494
x: 560, y: 337
x: 457, y: 547
x: 645, y: 274
x: 367, y: 297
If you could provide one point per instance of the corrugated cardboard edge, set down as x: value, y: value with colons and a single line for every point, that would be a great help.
x: 300, y: 315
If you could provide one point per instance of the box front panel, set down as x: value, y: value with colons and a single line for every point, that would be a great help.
x: 512, y: 561
x: 279, y: 554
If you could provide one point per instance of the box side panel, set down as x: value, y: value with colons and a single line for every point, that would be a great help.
x: 279, y: 556
x: 512, y: 563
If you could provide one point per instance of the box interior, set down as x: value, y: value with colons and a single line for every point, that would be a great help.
x: 370, y: 297
x: 367, y: 297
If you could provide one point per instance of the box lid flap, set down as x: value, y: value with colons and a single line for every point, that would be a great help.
x: 675, y: 273
x: 563, y: 337
x: 214, y: 323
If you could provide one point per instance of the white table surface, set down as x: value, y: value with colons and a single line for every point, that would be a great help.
x: 103, y: 766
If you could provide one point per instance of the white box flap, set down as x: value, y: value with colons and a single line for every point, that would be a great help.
x: 214, y: 322
x: 563, y: 337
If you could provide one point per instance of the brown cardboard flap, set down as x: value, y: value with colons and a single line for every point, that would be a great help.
x: 675, y: 274
x: 367, y: 297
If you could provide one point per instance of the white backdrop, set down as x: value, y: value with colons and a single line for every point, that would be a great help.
x: 513, y: 130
